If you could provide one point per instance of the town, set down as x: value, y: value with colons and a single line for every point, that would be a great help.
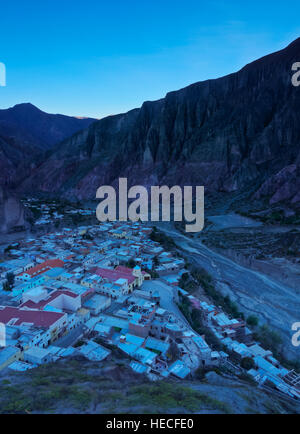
x: 83, y: 291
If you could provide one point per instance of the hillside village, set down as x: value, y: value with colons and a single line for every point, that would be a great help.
x: 93, y: 289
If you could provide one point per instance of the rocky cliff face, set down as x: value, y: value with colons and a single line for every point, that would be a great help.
x: 12, y: 212
x: 223, y: 134
x: 283, y: 186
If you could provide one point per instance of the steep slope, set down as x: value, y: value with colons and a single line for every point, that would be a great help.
x: 25, y: 132
x: 223, y: 134
x: 12, y: 213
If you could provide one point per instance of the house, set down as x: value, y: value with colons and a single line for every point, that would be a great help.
x: 138, y: 367
x: 40, y: 269
x: 104, y: 331
x: 32, y: 336
x: 21, y: 366
x: 97, y: 304
x: 52, y: 322
x: 179, y: 370
x: 157, y: 346
x: 93, y: 351
x: 118, y: 324
x: 8, y: 335
x: 37, y: 355
x: 134, y: 277
x: 118, y: 233
x: 132, y: 339
x: 9, y: 355
x: 23, y: 287
x: 144, y: 356
x: 54, y: 273
x: 138, y: 326
x: 60, y: 300
x: 35, y: 295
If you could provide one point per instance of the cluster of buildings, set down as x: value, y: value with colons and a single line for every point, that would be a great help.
x: 89, y: 290
x: 239, y: 343
x: 49, y: 212
x: 76, y: 290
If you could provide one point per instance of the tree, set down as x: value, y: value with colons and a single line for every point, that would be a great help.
x: 174, y: 351
x: 155, y: 261
x: 131, y: 263
x: 185, y: 277
x: 252, y: 320
x: 10, y: 277
x: 8, y: 249
x: 247, y: 363
x: 6, y: 286
x: 88, y: 236
x: 227, y: 300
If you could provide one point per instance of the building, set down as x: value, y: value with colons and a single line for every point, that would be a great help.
x: 38, y: 356
x: 40, y: 269
x: 97, y: 304
x: 54, y: 323
x: 94, y: 352
x: 61, y: 300
x: 9, y: 355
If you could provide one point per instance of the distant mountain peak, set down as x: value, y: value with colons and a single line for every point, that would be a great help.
x: 26, y: 132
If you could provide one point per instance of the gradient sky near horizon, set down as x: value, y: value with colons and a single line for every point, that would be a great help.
x: 96, y: 58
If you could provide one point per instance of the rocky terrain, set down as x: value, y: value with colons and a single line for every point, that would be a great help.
x: 12, y: 213
x: 228, y: 134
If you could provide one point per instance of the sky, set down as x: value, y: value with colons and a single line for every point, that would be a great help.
x: 98, y: 57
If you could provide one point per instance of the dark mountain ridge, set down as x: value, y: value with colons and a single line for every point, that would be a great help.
x: 225, y: 134
x: 44, y: 130
x: 26, y: 132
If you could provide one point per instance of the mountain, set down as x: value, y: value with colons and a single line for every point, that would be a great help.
x: 12, y: 212
x: 226, y: 134
x: 26, y: 131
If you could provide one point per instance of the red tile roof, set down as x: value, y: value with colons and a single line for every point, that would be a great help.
x: 43, y: 267
x: 123, y: 269
x: 39, y: 318
x: 114, y: 275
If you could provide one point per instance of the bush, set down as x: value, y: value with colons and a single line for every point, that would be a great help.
x: 164, y: 240
x: 78, y: 344
x: 247, y: 363
x: 10, y: 277
x: 268, y: 339
x: 6, y: 286
x: 252, y: 321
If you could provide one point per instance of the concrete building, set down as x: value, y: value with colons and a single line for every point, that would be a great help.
x: 97, y: 304
x: 36, y: 355
x: 9, y: 355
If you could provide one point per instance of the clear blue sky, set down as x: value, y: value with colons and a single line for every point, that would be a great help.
x: 101, y: 57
